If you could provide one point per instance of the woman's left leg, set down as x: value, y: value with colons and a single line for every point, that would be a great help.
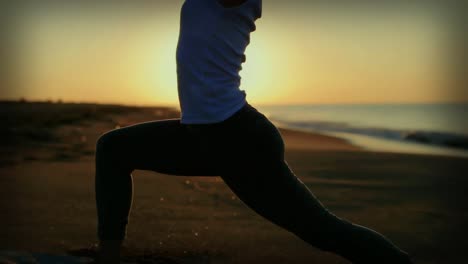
x: 164, y: 146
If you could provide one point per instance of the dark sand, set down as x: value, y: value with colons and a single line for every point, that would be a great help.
x: 47, y: 196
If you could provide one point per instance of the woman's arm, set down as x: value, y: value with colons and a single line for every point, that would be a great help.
x: 231, y: 3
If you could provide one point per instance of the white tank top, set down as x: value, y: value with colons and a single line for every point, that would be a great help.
x: 210, y: 51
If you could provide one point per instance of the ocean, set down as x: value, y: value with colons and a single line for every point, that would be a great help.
x: 440, y: 129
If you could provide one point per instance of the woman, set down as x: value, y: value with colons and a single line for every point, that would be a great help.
x: 221, y: 134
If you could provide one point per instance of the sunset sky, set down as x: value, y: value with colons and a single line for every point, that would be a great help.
x: 300, y: 53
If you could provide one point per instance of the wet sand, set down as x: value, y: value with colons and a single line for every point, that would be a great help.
x: 47, y: 198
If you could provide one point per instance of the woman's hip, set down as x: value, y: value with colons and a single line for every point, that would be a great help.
x: 247, y: 133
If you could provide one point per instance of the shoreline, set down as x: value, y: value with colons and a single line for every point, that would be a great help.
x: 381, y: 127
x: 346, y: 141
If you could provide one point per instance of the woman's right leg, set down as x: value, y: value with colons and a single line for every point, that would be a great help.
x: 255, y: 169
x: 273, y: 191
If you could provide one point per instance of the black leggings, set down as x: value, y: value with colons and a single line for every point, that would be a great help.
x: 247, y: 151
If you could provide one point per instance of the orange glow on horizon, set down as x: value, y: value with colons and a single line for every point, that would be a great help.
x: 292, y: 58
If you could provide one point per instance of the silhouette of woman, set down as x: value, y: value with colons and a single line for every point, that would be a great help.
x: 221, y: 134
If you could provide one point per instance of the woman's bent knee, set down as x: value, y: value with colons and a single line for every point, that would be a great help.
x: 111, y: 153
x: 108, y: 148
x: 106, y: 141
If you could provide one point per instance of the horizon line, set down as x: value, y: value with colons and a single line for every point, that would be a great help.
x: 176, y: 105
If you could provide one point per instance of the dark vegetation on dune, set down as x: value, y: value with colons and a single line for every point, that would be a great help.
x: 56, y: 126
x: 25, y: 122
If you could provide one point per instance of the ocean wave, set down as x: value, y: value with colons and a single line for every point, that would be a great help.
x: 438, y: 138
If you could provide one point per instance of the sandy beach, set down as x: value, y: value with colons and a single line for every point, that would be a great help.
x: 48, y: 203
